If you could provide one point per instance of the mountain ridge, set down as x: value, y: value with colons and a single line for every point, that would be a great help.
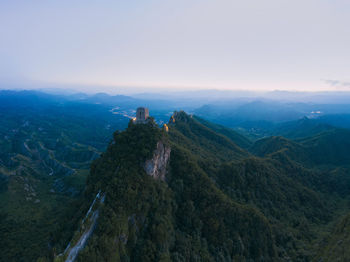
x: 217, y: 201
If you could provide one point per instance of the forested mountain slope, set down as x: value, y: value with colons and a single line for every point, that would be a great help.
x: 183, y: 218
x: 192, y: 194
x: 237, y: 138
x: 304, y: 127
x: 328, y: 148
x: 336, y: 246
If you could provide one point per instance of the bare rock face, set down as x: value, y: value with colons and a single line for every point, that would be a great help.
x: 156, y: 167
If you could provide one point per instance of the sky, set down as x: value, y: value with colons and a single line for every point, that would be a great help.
x: 299, y: 45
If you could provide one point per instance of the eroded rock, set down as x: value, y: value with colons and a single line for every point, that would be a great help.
x: 156, y: 167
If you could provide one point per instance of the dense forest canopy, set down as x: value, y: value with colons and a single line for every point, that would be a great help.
x: 219, y: 202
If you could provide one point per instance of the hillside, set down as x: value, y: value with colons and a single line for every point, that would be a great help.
x: 336, y: 246
x: 47, y: 144
x: 325, y: 149
x: 330, y: 147
x: 301, y: 128
x: 147, y: 218
x: 237, y: 138
x: 202, y: 140
x: 192, y: 193
x: 271, y: 145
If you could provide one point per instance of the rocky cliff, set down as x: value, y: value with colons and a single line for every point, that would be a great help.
x: 156, y: 167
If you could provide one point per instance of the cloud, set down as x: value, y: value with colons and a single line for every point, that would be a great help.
x: 336, y: 83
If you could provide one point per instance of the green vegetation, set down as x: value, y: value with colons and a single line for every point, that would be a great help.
x: 336, y: 245
x: 223, y: 199
x: 45, y: 156
x: 237, y: 138
x: 185, y: 219
x: 329, y: 148
x: 218, y: 202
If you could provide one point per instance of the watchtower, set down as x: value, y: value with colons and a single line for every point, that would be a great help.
x: 142, y: 114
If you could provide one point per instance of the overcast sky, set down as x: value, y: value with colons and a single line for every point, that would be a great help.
x: 224, y: 44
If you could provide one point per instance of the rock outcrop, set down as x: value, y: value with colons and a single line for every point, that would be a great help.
x: 156, y: 167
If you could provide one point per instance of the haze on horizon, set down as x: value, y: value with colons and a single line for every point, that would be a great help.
x: 198, y: 44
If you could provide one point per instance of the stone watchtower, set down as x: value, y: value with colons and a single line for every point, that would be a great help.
x: 142, y: 115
